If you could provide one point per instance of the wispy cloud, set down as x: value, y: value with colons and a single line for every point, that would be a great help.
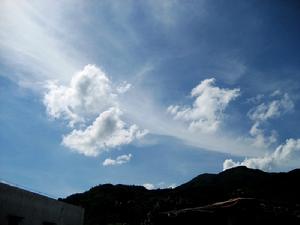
x: 34, y: 41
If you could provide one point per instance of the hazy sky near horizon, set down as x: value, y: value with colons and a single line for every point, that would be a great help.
x: 146, y: 92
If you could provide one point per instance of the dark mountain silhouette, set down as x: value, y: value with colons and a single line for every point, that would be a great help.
x: 236, y: 196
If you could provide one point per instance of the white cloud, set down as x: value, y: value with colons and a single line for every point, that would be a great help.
x: 35, y: 42
x: 160, y: 185
x: 163, y: 185
x: 118, y: 161
x: 124, y: 87
x: 39, y: 39
x: 229, y: 163
x: 91, y: 102
x: 89, y: 93
x: 256, y: 99
x: 140, y: 104
x: 264, y: 112
x: 286, y: 156
x: 39, y: 42
x: 272, y: 109
x: 107, y: 131
x: 260, y: 138
x: 149, y: 186
x: 206, y: 113
x: 172, y: 186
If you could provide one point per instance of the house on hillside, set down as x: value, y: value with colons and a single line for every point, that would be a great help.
x: 21, y: 207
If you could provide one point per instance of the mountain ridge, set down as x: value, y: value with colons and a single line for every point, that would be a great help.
x: 134, y: 205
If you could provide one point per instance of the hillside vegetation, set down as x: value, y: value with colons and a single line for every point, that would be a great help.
x: 236, y: 196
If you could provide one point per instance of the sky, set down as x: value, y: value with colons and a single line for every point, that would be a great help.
x: 148, y: 92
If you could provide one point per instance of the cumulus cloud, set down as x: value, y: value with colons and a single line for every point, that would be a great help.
x: 286, y: 156
x: 107, y: 131
x: 89, y: 92
x: 264, y: 112
x: 149, y: 186
x: 118, y: 161
x: 207, y: 110
x: 91, y: 103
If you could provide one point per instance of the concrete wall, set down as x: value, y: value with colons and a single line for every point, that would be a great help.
x: 36, y: 209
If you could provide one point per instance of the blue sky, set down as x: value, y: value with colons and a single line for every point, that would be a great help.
x: 146, y: 92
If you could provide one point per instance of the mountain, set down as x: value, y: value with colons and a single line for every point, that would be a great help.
x: 244, y: 182
x: 236, y: 196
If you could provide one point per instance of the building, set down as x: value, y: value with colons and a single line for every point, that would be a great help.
x: 21, y: 207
